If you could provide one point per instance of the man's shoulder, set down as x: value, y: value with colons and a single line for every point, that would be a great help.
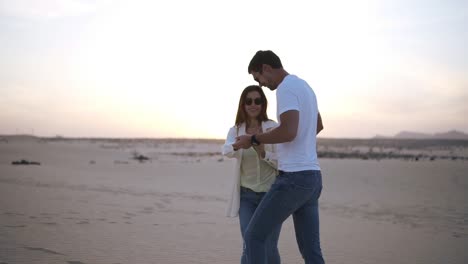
x: 291, y: 81
x: 291, y: 78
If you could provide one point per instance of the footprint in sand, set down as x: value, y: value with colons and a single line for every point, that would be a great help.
x: 83, y: 223
x: 49, y: 223
x: 128, y: 215
x: 160, y: 206
x: 45, y: 250
x: 147, y: 210
x: 15, y: 226
x: 11, y: 213
x: 75, y: 262
x: 166, y: 200
x: 48, y: 214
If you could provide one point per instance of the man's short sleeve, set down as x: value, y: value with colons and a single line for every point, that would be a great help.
x: 286, y: 100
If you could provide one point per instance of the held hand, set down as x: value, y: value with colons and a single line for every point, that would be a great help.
x: 242, y: 142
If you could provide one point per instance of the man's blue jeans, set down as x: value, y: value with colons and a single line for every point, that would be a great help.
x: 296, y: 194
x: 249, y: 201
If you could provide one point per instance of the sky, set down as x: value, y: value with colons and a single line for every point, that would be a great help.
x: 134, y: 68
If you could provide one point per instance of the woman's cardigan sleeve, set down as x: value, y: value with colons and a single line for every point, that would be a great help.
x: 227, y: 149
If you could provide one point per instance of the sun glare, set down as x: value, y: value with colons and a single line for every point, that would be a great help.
x: 178, y: 72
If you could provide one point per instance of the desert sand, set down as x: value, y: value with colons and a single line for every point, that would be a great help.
x: 90, y: 202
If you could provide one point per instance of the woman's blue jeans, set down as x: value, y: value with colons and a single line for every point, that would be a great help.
x: 249, y: 201
x: 296, y: 194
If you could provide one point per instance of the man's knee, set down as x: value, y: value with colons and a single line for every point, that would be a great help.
x: 257, y: 237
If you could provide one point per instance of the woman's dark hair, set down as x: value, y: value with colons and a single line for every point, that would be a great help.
x: 242, y: 115
x: 264, y: 57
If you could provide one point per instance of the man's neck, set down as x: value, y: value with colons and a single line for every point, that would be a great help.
x: 281, y: 74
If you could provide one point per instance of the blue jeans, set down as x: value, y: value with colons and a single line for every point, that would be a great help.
x: 296, y: 194
x: 249, y: 201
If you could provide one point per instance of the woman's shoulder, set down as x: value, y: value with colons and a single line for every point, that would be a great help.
x: 231, y: 129
x: 236, y: 128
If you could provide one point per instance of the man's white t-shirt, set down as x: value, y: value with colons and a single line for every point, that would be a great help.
x: 300, y: 154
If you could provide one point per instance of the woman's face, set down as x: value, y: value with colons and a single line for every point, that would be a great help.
x: 253, y: 104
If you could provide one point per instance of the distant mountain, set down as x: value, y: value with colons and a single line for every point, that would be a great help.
x: 453, y: 134
x: 412, y: 135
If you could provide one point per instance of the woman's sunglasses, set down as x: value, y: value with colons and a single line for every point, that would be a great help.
x: 257, y: 101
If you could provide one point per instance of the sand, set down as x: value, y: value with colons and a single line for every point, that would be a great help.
x: 90, y: 202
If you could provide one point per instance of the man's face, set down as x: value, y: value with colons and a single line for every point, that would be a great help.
x: 264, y: 79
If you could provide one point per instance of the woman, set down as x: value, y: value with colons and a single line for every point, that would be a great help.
x: 256, y: 167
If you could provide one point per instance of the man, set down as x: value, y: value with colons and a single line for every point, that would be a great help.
x: 299, y: 183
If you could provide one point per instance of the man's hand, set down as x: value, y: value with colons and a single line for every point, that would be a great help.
x: 242, y: 142
x: 319, y: 123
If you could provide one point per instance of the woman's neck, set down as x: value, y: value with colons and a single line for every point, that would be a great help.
x: 253, y: 123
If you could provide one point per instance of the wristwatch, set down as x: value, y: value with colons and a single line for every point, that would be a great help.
x: 254, y: 141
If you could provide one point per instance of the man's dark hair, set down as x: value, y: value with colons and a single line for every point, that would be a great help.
x: 264, y: 57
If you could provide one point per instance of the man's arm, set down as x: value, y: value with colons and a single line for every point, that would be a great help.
x: 319, y: 123
x: 285, y: 132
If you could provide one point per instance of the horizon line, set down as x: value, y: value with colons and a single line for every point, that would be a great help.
x: 376, y: 137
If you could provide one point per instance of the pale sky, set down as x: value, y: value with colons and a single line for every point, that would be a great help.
x: 134, y: 68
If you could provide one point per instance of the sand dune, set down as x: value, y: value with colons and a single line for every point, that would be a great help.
x: 90, y: 202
